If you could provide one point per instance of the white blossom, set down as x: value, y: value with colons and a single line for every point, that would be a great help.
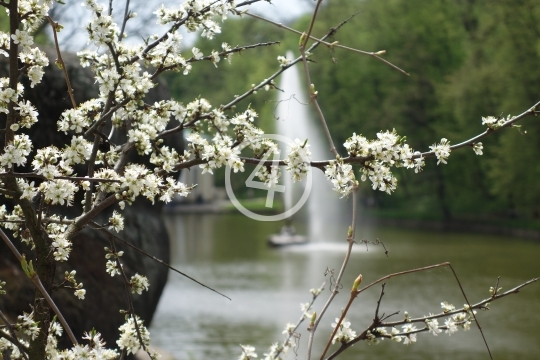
x: 197, y: 54
x: 283, y: 61
x: 341, y: 175
x: 433, y: 326
x: 248, y: 353
x: 139, y: 283
x: 409, y: 338
x: 80, y: 293
x: 447, y: 307
x: 62, y: 248
x: 344, y: 333
x: 27, y: 325
x: 289, y: 328
x: 116, y: 222
x: 441, y: 150
x: 23, y: 38
x: 450, y: 326
x: 477, y: 147
x: 298, y: 158
x: 129, y: 339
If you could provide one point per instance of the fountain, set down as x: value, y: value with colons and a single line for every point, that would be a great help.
x: 295, y: 120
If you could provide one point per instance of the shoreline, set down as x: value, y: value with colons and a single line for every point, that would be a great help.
x: 455, y: 226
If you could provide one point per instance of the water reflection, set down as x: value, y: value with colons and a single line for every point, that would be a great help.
x: 229, y: 253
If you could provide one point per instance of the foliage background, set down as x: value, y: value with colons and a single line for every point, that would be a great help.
x: 467, y: 59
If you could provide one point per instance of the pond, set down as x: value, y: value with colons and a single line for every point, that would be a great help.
x: 229, y: 253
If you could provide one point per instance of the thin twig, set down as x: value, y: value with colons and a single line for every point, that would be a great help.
x: 334, y: 291
x: 61, y: 61
x: 375, y: 55
x: 236, y: 49
x: 354, y: 294
x: 479, y: 305
x: 310, y: 86
x: 376, y: 318
x: 124, y: 22
x: 108, y: 233
x: 128, y: 296
x: 251, y: 91
x: 471, y: 141
x: 298, y: 323
x: 361, y: 336
x: 472, y: 312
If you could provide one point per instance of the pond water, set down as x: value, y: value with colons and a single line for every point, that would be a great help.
x: 229, y: 253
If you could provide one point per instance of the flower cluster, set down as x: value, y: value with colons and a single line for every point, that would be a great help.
x: 277, y: 349
x: 12, y: 221
x: 441, y: 150
x: 283, y: 61
x: 477, y: 148
x: 494, y: 123
x: 273, y: 352
x: 32, y: 57
x: 55, y: 331
x: 315, y: 292
x: 7, y: 94
x: 305, y: 308
x: 218, y: 153
x: 27, y: 325
x: 78, y: 287
x: 197, y: 15
x: 128, y: 335
x: 388, y: 150
x: 27, y: 115
x: 61, y: 245
x: 9, y: 347
x: 341, y: 175
x: 409, y: 331
x: 269, y: 175
x: 139, y: 283
x: 344, y: 333
x: 116, y: 222
x: 248, y: 353
x: 94, y: 350
x: 16, y: 152
x: 298, y: 158
x: 112, y: 263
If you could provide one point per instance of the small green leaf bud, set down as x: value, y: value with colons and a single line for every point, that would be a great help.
x: 312, y: 89
x: 302, y: 39
x: 313, y: 317
x: 357, y: 283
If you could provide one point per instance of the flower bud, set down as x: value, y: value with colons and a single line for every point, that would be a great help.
x: 357, y: 283
x: 302, y: 39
